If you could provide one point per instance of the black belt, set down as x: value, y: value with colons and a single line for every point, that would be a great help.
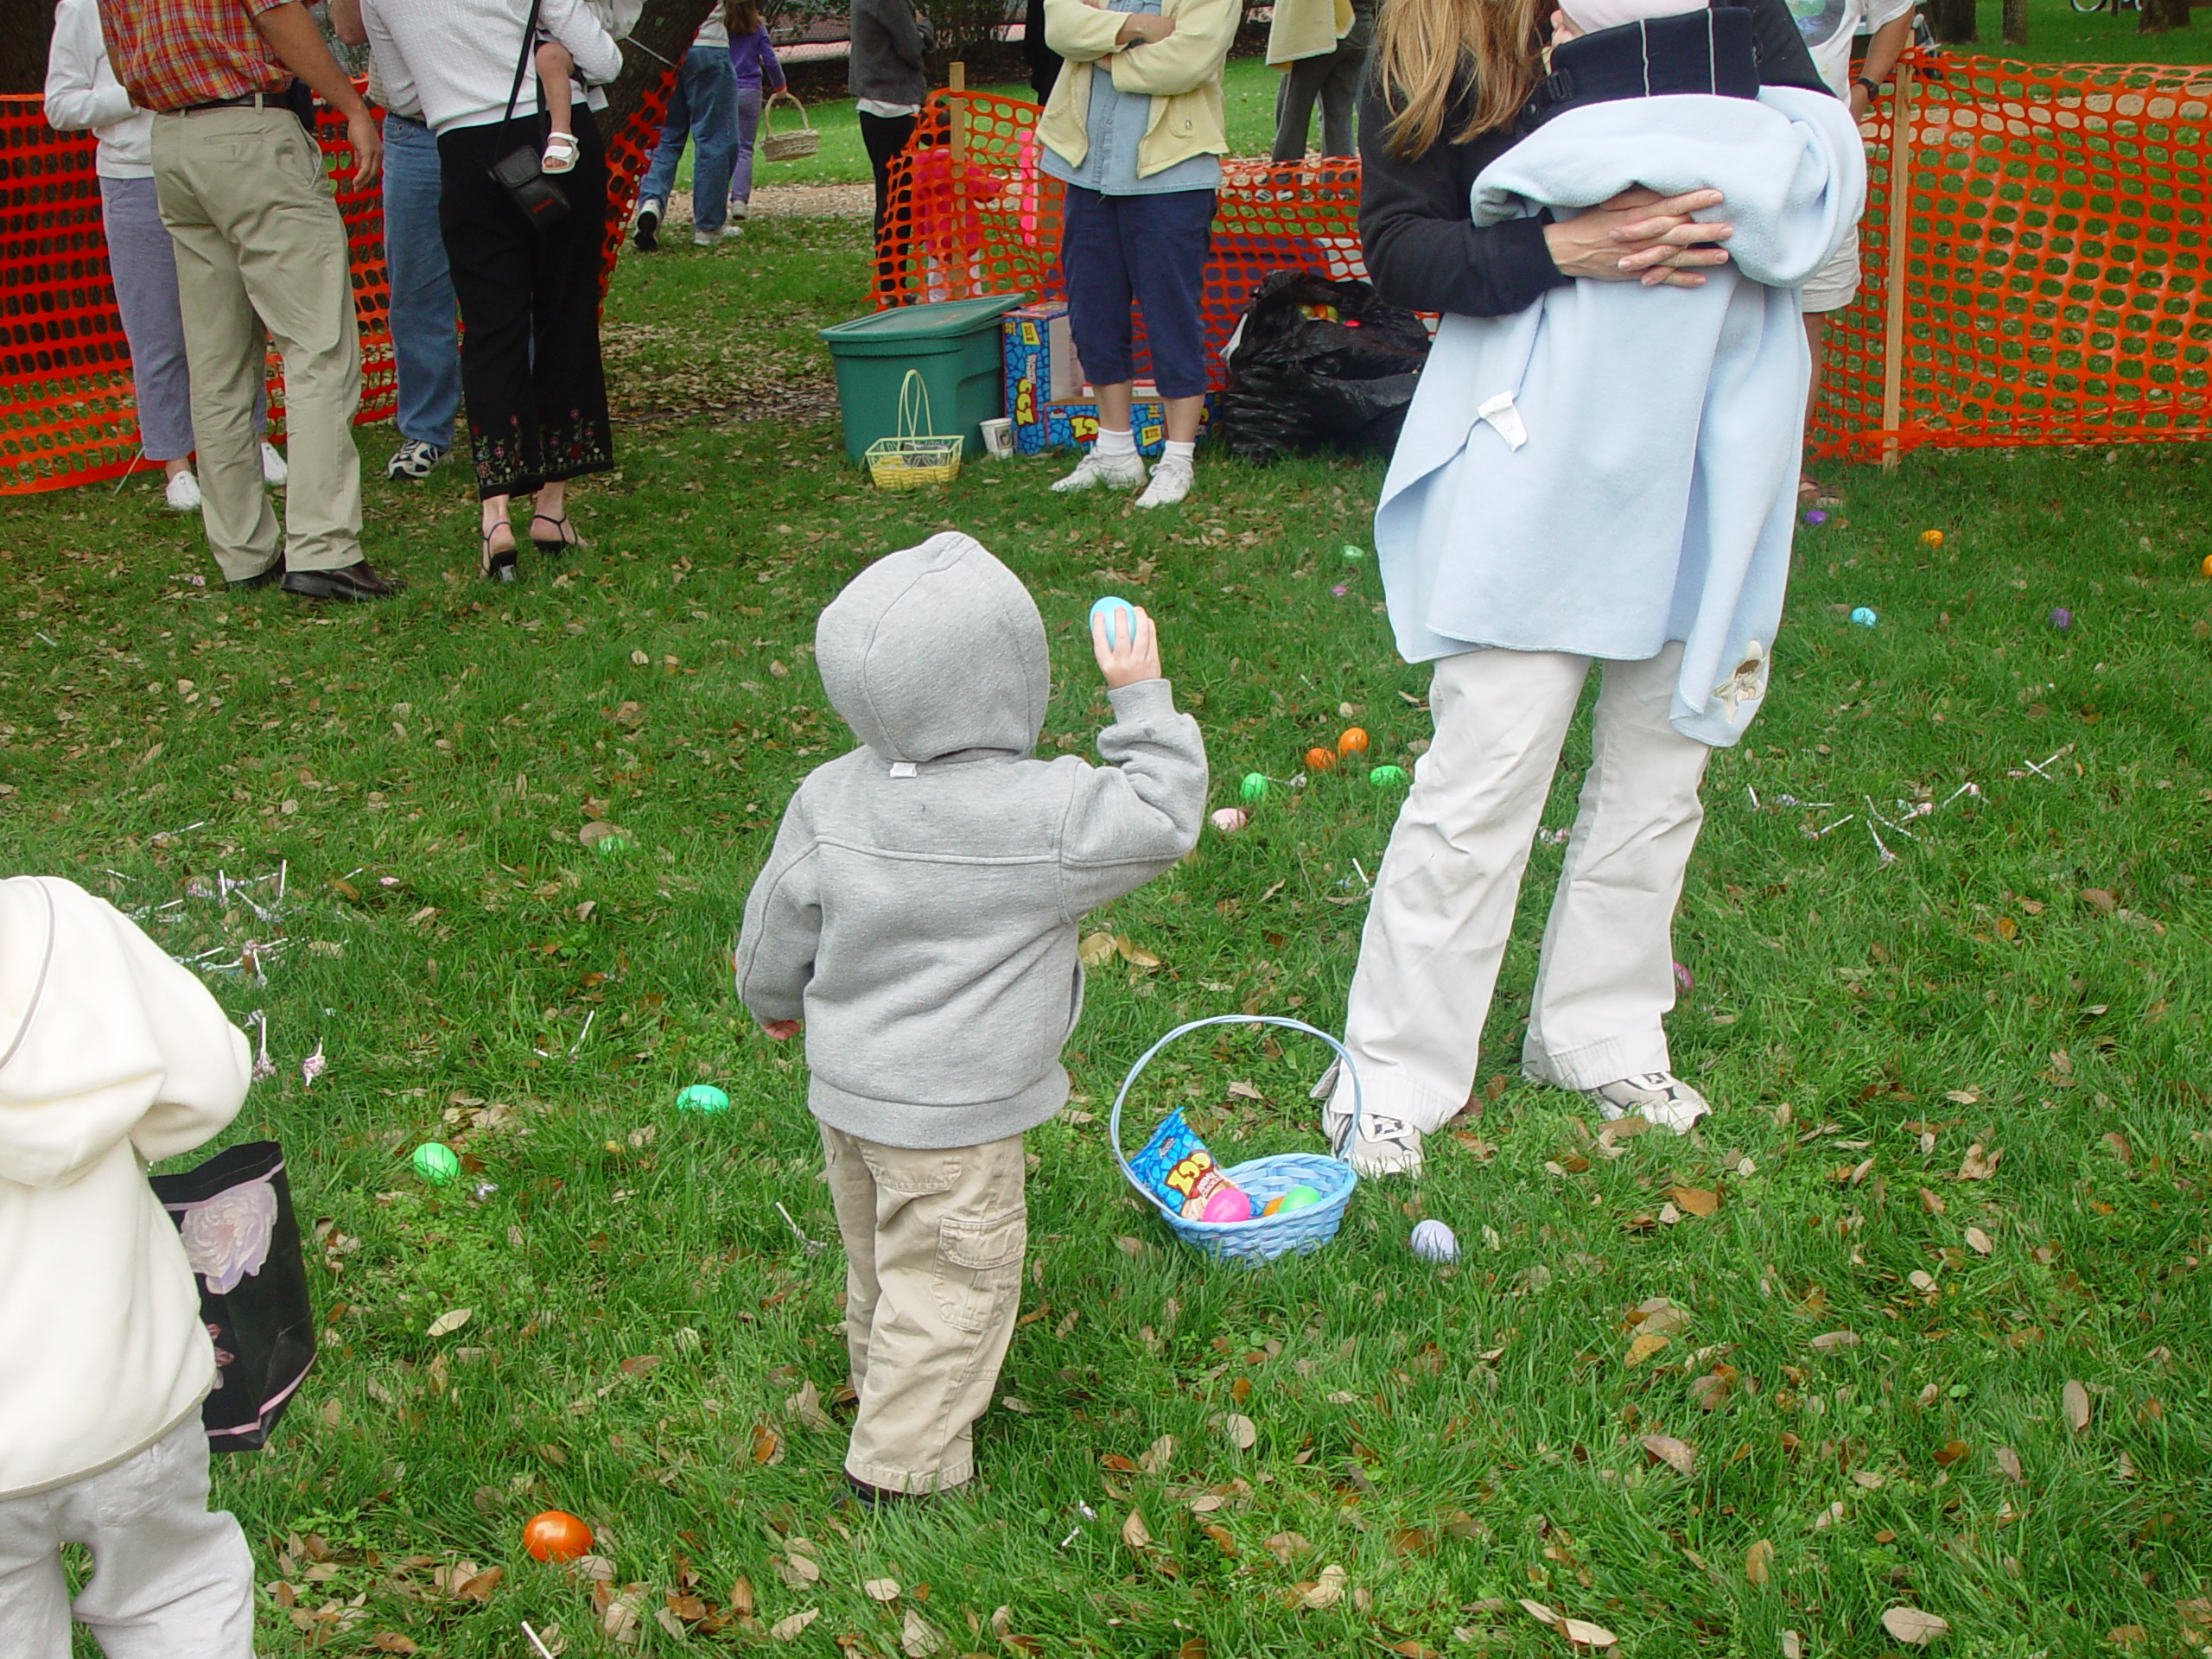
x: 251, y: 101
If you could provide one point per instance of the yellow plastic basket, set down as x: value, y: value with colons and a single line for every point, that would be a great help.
x: 915, y: 457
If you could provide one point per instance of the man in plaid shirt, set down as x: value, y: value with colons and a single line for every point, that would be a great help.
x: 259, y: 247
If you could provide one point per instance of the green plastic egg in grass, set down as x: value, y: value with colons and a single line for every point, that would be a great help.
x: 435, y: 1163
x: 1254, y: 789
x: 702, y: 1097
x: 1387, y: 777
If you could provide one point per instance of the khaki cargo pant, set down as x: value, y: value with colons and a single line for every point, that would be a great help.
x: 261, y: 254
x: 933, y: 1250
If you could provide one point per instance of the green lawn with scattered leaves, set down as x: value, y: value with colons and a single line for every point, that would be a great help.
x: 1915, y: 1323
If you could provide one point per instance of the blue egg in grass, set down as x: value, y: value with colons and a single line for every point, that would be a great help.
x: 1120, y: 619
x: 1864, y: 617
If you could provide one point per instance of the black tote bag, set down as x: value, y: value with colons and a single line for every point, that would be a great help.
x: 234, y: 1213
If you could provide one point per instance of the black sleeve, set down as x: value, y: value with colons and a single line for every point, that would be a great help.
x: 1424, y: 251
x: 1783, y: 58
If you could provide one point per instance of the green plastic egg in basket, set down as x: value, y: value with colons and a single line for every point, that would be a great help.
x: 1261, y: 1238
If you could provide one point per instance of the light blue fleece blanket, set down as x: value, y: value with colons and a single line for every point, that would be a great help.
x: 1616, y: 466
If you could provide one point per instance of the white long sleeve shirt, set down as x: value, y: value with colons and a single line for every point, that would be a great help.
x: 82, y: 92
x: 111, y: 1057
x: 455, y: 59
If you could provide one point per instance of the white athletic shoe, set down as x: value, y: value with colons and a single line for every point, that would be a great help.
x: 732, y: 231
x: 1116, y: 472
x: 273, y: 469
x: 1171, y: 482
x: 705, y: 238
x: 740, y: 207
x: 183, y: 492
x: 1380, y: 1145
x: 1659, y: 1097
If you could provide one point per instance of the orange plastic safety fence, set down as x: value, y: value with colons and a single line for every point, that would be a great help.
x: 67, y: 411
x: 2055, y: 291
x: 66, y: 414
x: 2054, y: 261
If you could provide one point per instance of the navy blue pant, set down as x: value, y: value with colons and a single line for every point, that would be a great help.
x: 1152, y: 249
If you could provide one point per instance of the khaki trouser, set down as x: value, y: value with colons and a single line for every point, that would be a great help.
x: 259, y: 244
x: 171, y: 1579
x: 1444, y: 898
x: 933, y: 1250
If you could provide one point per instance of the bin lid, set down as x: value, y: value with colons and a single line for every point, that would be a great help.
x: 936, y: 319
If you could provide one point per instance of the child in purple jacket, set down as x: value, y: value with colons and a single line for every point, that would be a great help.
x: 753, y: 60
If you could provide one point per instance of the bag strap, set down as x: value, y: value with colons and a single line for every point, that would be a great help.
x: 522, y: 64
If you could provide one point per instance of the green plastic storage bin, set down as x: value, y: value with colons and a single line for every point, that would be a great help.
x: 955, y: 346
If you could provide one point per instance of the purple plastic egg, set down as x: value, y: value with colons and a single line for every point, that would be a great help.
x: 1338, y: 591
x: 1683, y: 983
x: 2062, y: 618
x: 1815, y: 515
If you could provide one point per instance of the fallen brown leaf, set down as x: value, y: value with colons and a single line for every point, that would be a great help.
x: 1135, y: 1533
x: 2008, y: 1465
x: 1979, y: 1242
x: 1978, y: 1167
x: 2076, y: 1399
x: 1324, y: 1592
x: 1913, y: 1627
x: 881, y: 1589
x: 1828, y: 1341
x: 1678, y: 1455
x: 787, y: 1629
x: 1759, y: 1562
x: 918, y: 1639
x: 1645, y: 1344
x: 1695, y: 1200
x: 1096, y: 950
x: 1243, y: 1433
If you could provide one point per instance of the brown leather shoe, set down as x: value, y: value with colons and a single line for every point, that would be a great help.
x: 349, y: 583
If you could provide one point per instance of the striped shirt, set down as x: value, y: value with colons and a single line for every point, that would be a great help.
x: 171, y: 55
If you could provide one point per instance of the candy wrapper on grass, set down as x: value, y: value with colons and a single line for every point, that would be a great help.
x: 1176, y: 1165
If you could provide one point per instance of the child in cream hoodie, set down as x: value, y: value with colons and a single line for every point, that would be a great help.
x: 112, y: 1056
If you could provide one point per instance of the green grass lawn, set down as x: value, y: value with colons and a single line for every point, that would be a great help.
x: 1961, y: 1117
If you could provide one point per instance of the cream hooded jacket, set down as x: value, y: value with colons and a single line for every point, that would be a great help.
x: 112, y: 1056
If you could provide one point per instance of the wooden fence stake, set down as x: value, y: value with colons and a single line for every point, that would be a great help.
x: 1899, y: 230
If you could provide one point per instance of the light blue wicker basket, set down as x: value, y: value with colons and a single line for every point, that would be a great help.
x: 1263, y: 1237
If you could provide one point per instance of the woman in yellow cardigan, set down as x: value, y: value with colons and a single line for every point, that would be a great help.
x: 1134, y: 129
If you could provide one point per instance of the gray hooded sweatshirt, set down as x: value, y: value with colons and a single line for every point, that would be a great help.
x: 919, y: 910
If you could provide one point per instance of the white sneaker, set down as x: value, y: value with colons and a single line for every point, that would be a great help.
x: 732, y: 231
x: 740, y: 208
x: 1379, y: 1147
x: 183, y: 492
x: 705, y: 238
x: 273, y: 469
x: 1171, y: 482
x: 1659, y: 1097
x: 1116, y: 472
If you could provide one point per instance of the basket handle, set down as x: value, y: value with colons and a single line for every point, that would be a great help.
x: 769, y: 109
x: 915, y: 418
x: 1114, y: 1122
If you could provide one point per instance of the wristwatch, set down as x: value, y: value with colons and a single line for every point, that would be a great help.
x: 1873, y: 88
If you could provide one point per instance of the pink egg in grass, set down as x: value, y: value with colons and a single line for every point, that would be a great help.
x: 1683, y: 983
x: 1229, y: 820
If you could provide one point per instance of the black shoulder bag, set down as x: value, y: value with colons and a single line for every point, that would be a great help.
x: 544, y: 203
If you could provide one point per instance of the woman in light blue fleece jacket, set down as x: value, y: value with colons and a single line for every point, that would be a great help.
x: 918, y: 913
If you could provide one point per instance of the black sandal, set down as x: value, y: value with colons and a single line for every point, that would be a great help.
x: 502, y: 565
x: 559, y: 544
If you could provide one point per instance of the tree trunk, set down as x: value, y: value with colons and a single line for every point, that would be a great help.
x: 26, y: 27
x: 2156, y: 17
x: 662, y: 37
x: 1952, y: 21
x: 2016, y: 21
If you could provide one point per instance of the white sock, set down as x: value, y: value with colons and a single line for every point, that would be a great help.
x: 1111, y: 442
x: 1182, y: 452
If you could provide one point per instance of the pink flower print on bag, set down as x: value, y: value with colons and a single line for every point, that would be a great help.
x: 227, y: 1237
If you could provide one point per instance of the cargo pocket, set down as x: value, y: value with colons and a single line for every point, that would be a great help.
x: 979, y: 1268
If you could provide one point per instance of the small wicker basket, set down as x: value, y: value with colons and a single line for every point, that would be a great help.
x: 1263, y: 1237
x: 793, y: 144
x: 915, y: 457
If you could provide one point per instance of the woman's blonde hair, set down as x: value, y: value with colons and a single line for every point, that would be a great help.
x: 1425, y: 49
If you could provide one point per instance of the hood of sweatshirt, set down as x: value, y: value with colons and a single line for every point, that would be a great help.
x: 936, y: 650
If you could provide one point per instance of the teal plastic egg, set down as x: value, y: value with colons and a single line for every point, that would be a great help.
x: 435, y: 1163
x: 702, y: 1097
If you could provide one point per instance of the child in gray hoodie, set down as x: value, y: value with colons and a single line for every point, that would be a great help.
x: 919, y: 914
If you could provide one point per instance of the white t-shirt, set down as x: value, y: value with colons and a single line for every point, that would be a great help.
x: 1829, y: 26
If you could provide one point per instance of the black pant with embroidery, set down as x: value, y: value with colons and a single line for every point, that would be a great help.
x: 529, y: 365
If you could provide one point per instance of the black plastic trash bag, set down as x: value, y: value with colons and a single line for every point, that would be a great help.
x: 1320, y: 365
x: 235, y: 1215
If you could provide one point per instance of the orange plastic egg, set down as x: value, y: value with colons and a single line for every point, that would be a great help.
x: 1932, y: 538
x: 1320, y: 760
x: 1352, y: 742
x: 2207, y: 565
x: 555, y: 1536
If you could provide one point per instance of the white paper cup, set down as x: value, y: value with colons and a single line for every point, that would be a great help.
x: 998, y: 437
